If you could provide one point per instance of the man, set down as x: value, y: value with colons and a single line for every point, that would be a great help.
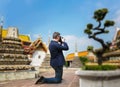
x: 57, y: 60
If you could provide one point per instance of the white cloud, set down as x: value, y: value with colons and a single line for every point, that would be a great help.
x: 33, y: 37
x: 117, y: 17
x: 82, y: 43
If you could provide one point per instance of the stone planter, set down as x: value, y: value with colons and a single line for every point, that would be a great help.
x: 98, y: 78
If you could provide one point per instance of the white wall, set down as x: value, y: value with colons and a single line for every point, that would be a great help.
x: 37, y: 58
x: 12, y: 32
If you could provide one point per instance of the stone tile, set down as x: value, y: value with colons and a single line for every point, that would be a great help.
x: 69, y: 80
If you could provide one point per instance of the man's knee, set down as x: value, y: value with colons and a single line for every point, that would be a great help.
x: 58, y: 81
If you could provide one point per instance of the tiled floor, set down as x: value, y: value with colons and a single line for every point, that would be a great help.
x: 69, y: 80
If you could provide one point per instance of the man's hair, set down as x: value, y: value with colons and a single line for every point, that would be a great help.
x: 55, y: 34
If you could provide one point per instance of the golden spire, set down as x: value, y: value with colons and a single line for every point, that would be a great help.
x: 1, y: 27
x: 1, y: 22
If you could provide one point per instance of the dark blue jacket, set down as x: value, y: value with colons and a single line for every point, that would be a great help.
x: 57, y: 57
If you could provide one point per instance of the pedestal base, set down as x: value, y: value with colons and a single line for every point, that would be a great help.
x: 12, y: 75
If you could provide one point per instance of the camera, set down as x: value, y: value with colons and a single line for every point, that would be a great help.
x: 61, y: 40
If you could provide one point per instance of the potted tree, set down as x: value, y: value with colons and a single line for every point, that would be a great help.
x: 93, y: 32
x: 99, y: 77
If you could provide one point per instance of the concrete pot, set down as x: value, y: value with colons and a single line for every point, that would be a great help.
x: 99, y: 78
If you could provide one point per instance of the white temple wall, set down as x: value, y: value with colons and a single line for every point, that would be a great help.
x: 91, y: 54
x: 38, y: 58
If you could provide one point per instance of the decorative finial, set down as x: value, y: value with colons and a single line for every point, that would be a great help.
x: 76, y: 48
x: 1, y: 21
x: 39, y: 36
x: 29, y: 35
x: 49, y: 37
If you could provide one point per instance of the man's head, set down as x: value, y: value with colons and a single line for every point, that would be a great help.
x: 56, y: 36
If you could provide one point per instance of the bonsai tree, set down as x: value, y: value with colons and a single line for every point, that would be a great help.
x: 94, y: 31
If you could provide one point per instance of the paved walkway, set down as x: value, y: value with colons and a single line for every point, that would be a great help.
x: 69, y: 80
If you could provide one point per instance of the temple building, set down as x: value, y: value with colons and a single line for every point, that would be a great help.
x: 114, y: 53
x: 74, y: 61
x: 18, y: 51
x: 37, y: 52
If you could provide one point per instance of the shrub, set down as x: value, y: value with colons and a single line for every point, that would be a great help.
x: 66, y: 64
x: 83, y: 60
x: 99, y: 67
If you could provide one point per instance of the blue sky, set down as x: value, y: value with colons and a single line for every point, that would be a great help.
x: 69, y: 17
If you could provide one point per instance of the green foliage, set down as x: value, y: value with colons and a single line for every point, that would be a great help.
x: 90, y: 48
x: 66, y: 64
x: 83, y: 60
x: 100, y: 14
x: 100, y: 67
x: 88, y: 31
x: 106, y: 31
x: 109, y: 23
x: 89, y: 26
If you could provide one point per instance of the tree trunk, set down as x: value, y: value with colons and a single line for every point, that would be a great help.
x: 99, y: 56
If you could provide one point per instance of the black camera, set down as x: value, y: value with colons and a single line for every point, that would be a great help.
x: 60, y: 40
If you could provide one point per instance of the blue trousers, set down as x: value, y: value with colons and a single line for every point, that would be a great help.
x: 58, y: 75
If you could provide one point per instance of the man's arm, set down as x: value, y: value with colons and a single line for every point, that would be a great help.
x: 62, y: 46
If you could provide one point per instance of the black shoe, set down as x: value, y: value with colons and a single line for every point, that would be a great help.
x: 40, y: 80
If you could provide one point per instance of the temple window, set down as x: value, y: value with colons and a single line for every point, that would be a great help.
x: 39, y: 56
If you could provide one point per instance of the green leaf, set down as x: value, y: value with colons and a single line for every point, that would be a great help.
x: 100, y: 67
x: 84, y: 60
x: 90, y: 48
x: 100, y: 14
x: 106, y: 31
x: 109, y: 23
x: 89, y: 26
x: 88, y: 31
